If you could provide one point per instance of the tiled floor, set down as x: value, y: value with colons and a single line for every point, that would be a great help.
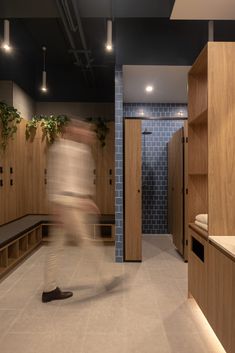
x: 143, y: 308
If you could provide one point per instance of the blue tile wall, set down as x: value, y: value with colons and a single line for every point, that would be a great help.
x: 155, y: 174
x: 155, y: 165
x: 119, y: 164
x: 152, y: 110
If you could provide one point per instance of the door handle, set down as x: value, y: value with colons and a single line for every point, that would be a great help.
x: 138, y: 190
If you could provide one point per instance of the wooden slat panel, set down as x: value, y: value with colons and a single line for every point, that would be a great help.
x: 104, y: 162
x: 221, y: 132
x: 133, y: 180
x: 221, y: 296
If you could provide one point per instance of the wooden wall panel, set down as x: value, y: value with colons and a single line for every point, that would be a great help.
x: 105, y: 172
x: 221, y: 296
x: 221, y: 132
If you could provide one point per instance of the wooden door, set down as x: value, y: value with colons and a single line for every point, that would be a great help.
x: 133, y: 199
x: 177, y: 194
x: 170, y: 183
x: 185, y: 197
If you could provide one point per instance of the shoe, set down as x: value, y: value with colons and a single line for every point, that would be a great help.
x: 55, y: 294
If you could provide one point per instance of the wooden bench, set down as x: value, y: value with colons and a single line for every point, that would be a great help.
x: 18, y: 238
x: 105, y: 229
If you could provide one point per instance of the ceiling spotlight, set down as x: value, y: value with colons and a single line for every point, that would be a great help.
x: 6, y: 41
x: 44, y: 74
x: 149, y: 89
x: 109, y: 43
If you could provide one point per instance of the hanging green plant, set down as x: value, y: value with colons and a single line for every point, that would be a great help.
x: 101, y: 128
x: 52, y: 126
x: 9, y: 119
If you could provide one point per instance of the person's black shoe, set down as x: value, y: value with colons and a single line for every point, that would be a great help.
x: 55, y: 294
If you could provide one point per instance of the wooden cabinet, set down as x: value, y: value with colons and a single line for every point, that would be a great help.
x: 211, y: 145
x: 221, y: 296
x: 211, y: 180
x: 177, y: 190
x: 197, y: 269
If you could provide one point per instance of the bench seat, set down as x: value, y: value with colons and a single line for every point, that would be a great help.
x: 18, y: 238
x: 18, y: 227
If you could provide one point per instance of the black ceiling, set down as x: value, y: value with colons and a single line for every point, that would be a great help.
x: 143, y: 34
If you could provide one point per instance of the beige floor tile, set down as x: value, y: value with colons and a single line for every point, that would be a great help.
x: 34, y: 321
x: 104, y: 343
x: 130, y: 307
x: 27, y: 343
x: 108, y: 317
x: 186, y: 343
x: 154, y: 341
x: 16, y: 299
x: 7, y: 318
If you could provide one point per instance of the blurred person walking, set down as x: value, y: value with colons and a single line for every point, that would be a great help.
x: 70, y: 191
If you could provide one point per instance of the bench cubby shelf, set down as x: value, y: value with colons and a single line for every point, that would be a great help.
x: 16, y: 250
x: 19, y: 238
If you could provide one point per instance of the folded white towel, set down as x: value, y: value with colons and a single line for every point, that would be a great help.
x: 201, y: 225
x: 202, y: 218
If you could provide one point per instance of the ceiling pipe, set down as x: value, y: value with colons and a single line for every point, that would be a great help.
x: 69, y: 35
x: 68, y: 15
x: 81, y: 33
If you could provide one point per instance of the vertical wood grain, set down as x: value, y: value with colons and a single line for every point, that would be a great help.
x: 133, y: 198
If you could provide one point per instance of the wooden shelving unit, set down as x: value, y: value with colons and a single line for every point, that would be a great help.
x: 211, y: 179
x: 211, y: 137
x: 16, y: 250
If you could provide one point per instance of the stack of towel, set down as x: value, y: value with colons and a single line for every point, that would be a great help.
x: 202, y: 221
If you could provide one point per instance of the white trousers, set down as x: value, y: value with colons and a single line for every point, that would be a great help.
x: 74, y: 227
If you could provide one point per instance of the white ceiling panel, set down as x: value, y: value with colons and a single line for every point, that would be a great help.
x: 203, y: 10
x: 169, y: 82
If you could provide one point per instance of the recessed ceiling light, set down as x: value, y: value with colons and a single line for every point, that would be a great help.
x: 149, y: 88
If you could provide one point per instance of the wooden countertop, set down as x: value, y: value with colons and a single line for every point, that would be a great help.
x: 226, y: 243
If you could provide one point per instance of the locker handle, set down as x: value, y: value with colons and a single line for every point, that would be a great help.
x: 1, y: 170
x: 110, y: 181
x: 45, y: 181
x: 110, y: 172
x: 11, y: 182
x: 1, y: 182
x: 11, y: 170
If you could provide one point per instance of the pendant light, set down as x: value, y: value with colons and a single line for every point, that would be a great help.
x: 6, y: 41
x: 109, y: 43
x: 44, y: 74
